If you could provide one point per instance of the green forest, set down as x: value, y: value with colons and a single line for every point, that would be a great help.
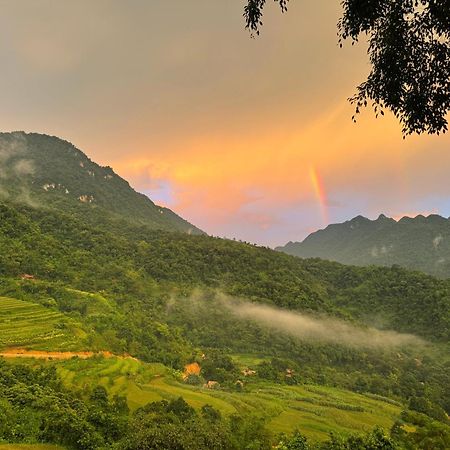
x: 416, y: 243
x: 158, y: 358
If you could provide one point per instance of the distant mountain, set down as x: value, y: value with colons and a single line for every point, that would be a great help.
x: 42, y: 170
x: 75, y: 276
x: 420, y: 243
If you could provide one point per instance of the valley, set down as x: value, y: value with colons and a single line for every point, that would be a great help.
x: 101, y: 313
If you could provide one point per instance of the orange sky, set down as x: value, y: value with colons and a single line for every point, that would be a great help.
x: 247, y: 138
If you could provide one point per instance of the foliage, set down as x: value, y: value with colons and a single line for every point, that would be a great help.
x: 175, y: 425
x: 282, y: 406
x: 420, y: 243
x: 133, y: 291
x: 32, y: 324
x: 376, y: 440
x: 46, y: 171
x: 35, y: 407
x: 416, y: 430
x: 217, y: 366
x: 130, y: 287
x: 409, y: 52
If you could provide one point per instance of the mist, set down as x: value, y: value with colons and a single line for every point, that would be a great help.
x: 13, y: 150
x: 14, y: 167
x: 310, y: 328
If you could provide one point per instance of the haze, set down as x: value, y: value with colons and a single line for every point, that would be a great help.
x: 320, y: 329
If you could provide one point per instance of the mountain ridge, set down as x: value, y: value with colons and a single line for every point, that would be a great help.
x: 42, y: 170
x: 416, y: 243
x: 80, y: 276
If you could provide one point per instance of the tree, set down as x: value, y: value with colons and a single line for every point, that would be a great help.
x: 298, y: 442
x: 409, y: 52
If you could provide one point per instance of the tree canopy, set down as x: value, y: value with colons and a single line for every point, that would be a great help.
x: 409, y: 53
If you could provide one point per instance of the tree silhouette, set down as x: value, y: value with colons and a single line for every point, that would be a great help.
x: 409, y: 52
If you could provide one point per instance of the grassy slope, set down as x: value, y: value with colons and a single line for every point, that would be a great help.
x: 34, y: 326
x: 315, y: 410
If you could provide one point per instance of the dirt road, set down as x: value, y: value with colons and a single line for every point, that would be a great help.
x: 41, y: 354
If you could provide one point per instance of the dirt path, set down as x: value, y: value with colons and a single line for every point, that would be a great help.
x: 41, y: 354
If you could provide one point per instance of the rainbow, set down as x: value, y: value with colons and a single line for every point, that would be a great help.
x: 320, y: 193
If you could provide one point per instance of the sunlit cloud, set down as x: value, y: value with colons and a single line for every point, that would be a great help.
x: 216, y: 179
x: 245, y: 138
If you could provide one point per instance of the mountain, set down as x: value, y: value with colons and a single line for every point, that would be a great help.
x: 420, y: 243
x: 46, y: 171
x: 167, y: 300
x: 120, y: 333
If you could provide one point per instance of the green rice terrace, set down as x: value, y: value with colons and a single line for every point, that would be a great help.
x: 29, y: 324
x: 316, y: 410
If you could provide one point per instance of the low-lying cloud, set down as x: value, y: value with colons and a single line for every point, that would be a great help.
x: 14, y: 167
x: 14, y: 149
x: 437, y: 241
x: 319, y: 329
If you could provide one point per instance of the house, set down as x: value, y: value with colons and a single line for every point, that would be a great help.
x: 289, y: 373
x: 27, y: 276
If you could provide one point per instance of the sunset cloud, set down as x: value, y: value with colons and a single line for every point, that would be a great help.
x: 246, y: 138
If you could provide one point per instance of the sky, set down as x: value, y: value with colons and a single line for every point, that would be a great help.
x: 246, y: 138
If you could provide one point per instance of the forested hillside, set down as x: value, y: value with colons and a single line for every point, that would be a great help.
x: 57, y: 246
x: 46, y: 171
x: 153, y: 294
x: 81, y: 280
x: 420, y: 243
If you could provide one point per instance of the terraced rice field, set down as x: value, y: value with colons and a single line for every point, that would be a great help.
x: 314, y: 410
x: 32, y: 325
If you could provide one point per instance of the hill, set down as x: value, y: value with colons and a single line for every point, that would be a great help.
x: 84, y: 278
x: 32, y: 324
x: 153, y: 294
x: 46, y: 171
x: 60, y: 247
x: 284, y: 406
x: 420, y: 243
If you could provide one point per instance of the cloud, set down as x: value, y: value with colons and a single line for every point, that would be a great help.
x: 437, y: 241
x: 24, y: 167
x: 14, y: 166
x: 318, y: 329
x: 260, y: 220
x: 13, y: 147
x: 224, y: 127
